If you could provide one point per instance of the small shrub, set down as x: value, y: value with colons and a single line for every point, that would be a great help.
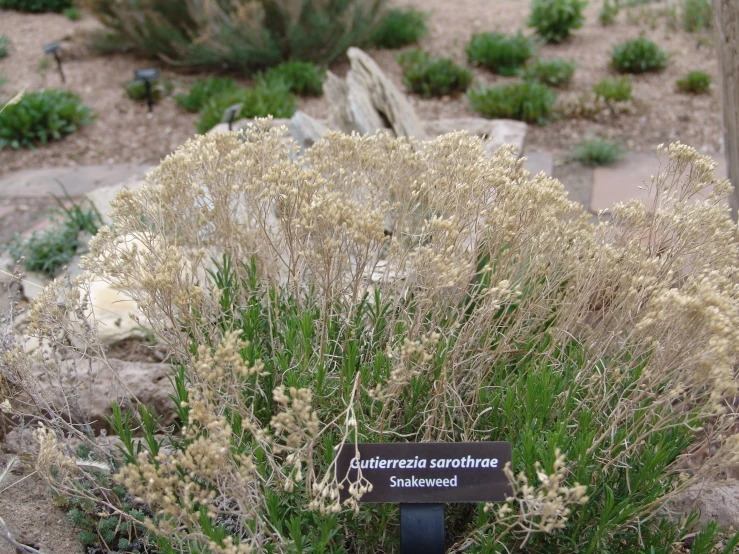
x: 400, y: 27
x: 429, y: 76
x: 526, y: 101
x: 203, y: 90
x: 499, y: 52
x: 302, y: 78
x: 42, y: 116
x: 35, y: 6
x: 554, y: 19
x: 136, y: 90
x: 615, y: 89
x: 264, y: 99
x: 48, y: 251
x: 556, y: 72
x: 4, y: 46
x: 73, y: 13
x: 608, y: 12
x: 696, y: 15
x: 597, y: 152
x: 696, y: 82
x: 245, y: 35
x: 638, y: 56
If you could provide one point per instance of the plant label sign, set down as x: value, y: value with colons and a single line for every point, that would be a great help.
x: 427, y: 472
x: 146, y: 75
x: 51, y: 48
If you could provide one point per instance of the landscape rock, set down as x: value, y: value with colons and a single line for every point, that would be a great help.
x: 101, y: 196
x: 111, y: 311
x: 33, y: 283
x: 305, y: 129
x: 495, y: 132
x: 89, y: 387
x: 714, y: 501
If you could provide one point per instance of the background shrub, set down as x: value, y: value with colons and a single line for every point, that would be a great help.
x: 638, y: 56
x: 302, y: 78
x: 499, y: 52
x: 243, y: 34
x: 696, y: 15
x: 614, y: 89
x: 608, y: 12
x: 555, y: 72
x: 697, y: 82
x: 202, y: 90
x: 266, y: 98
x: 554, y: 19
x: 400, y: 27
x: 4, y: 46
x: 36, y: 6
x: 42, y: 116
x: 597, y: 152
x: 528, y: 101
x: 429, y: 76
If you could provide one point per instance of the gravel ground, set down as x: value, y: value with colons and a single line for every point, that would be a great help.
x: 122, y: 131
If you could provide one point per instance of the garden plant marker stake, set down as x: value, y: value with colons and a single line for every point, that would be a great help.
x: 147, y: 76
x: 422, y: 477
x: 230, y: 114
x: 53, y: 49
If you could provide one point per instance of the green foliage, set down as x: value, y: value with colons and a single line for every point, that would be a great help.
x: 49, y: 250
x: 301, y: 78
x: 554, y: 19
x: 245, y: 35
x: 136, y: 90
x: 614, y: 89
x: 35, y: 6
x: 696, y: 82
x: 555, y: 72
x: 4, y: 46
x: 638, y: 56
x: 608, y: 12
x: 696, y: 15
x: 597, y: 152
x: 400, y: 27
x: 499, y: 52
x: 203, y: 90
x: 266, y: 98
x: 42, y: 116
x: 73, y: 13
x: 429, y: 76
x: 528, y: 101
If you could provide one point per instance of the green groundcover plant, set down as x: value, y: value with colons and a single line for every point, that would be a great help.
x: 555, y: 72
x: 37, y: 6
x: 695, y: 82
x: 379, y: 289
x: 597, y: 151
x: 203, y: 90
x: 301, y: 78
x: 555, y: 19
x: 400, y: 27
x: 499, y: 52
x: 429, y: 76
x: 42, y: 116
x: 639, y: 55
x: 614, y: 89
x: 241, y: 34
x: 528, y: 101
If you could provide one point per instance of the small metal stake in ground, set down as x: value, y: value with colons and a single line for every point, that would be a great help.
x: 421, y: 477
x: 53, y: 49
x: 230, y: 114
x: 147, y: 76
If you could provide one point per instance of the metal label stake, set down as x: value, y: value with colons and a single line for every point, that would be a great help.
x: 147, y: 76
x: 422, y: 528
x: 53, y: 48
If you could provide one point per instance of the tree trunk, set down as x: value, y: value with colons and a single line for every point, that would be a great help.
x: 726, y: 22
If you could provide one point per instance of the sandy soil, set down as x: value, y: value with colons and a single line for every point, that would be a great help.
x: 124, y: 133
